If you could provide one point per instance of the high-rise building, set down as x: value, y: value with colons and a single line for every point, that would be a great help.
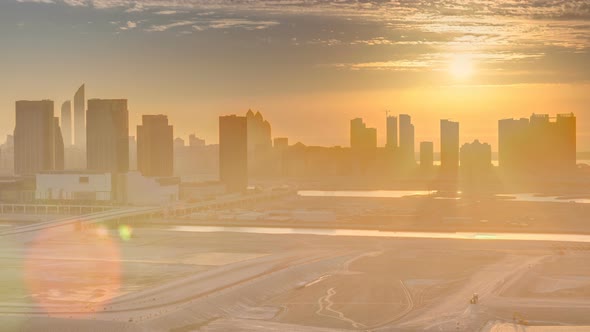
x: 155, y: 146
x: 80, y: 118
x: 391, y: 132
x: 132, y: 153
x: 259, y: 144
x: 58, y: 147
x: 195, y: 141
x: 66, y: 122
x: 281, y: 143
x: 107, y: 146
x: 540, y: 144
x: 233, y: 152
x: 449, y: 145
x: 34, y: 142
x: 406, y: 139
x: 476, y: 157
x: 259, y: 132
x: 426, y: 155
x: 362, y: 137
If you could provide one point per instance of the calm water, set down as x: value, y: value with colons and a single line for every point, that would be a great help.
x: 388, y: 234
x: 529, y: 197
x: 365, y: 193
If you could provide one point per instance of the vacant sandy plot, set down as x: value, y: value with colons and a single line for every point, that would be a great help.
x: 182, y: 281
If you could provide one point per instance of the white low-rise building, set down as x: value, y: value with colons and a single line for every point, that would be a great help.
x: 74, y: 186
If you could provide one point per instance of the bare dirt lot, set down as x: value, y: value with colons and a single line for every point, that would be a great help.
x: 164, y: 280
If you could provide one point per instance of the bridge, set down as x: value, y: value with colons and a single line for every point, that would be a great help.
x: 135, y: 214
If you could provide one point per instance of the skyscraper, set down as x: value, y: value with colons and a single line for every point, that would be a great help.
x: 476, y: 157
x: 362, y: 137
x: 233, y: 152
x: 34, y: 146
x: 259, y: 131
x: 107, y: 148
x: 449, y: 145
x: 540, y: 144
x: 406, y: 139
x: 426, y: 155
x: 155, y: 146
x: 58, y: 147
x: 80, y: 118
x: 259, y: 144
x: 66, y: 122
x: 391, y: 132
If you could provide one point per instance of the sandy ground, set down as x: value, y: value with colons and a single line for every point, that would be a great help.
x: 161, y: 280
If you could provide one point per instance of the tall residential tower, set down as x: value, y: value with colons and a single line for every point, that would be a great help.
x: 107, y: 147
x: 155, y: 146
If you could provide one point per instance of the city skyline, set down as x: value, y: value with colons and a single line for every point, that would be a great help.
x: 305, y: 63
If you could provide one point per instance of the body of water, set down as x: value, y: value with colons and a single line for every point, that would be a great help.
x: 525, y: 197
x: 387, y: 234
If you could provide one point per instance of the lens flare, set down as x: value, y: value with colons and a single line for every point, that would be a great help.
x: 125, y: 232
x: 72, y: 273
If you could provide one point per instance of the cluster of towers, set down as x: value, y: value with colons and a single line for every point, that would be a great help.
x: 101, y: 132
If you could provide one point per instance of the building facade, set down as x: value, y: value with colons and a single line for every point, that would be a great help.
x: 34, y: 141
x: 155, y: 146
x: 540, y: 144
x: 107, y: 146
x: 80, y: 118
x: 66, y: 123
x: 449, y: 145
x: 233, y: 152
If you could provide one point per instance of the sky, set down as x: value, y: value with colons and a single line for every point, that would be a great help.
x: 308, y: 65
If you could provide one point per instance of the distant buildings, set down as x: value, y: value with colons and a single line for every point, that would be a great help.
x: 391, y: 128
x: 259, y: 144
x: 155, y: 153
x: 426, y: 155
x: 58, y: 147
x: 259, y: 131
x: 476, y: 166
x: 80, y: 118
x: 66, y: 122
x: 107, y: 146
x: 362, y: 137
x: 132, y: 153
x: 406, y: 140
x: 537, y: 145
x: 36, y: 138
x: 281, y: 143
x: 476, y: 157
x: 449, y: 146
x: 7, y: 156
x: 196, y: 161
x: 233, y: 152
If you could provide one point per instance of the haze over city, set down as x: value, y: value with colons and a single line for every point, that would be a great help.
x: 297, y: 165
x: 310, y: 66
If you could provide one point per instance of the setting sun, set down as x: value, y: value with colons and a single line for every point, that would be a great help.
x: 461, y: 66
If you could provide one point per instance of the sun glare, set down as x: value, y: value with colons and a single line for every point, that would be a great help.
x: 461, y: 66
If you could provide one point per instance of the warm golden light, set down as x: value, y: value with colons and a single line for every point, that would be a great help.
x: 461, y: 66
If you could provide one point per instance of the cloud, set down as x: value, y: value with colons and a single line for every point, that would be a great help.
x: 129, y: 25
x: 169, y: 12
x: 165, y: 27
x: 241, y: 23
x: 36, y: 1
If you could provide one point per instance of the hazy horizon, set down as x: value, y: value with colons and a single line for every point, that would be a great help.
x: 308, y: 66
